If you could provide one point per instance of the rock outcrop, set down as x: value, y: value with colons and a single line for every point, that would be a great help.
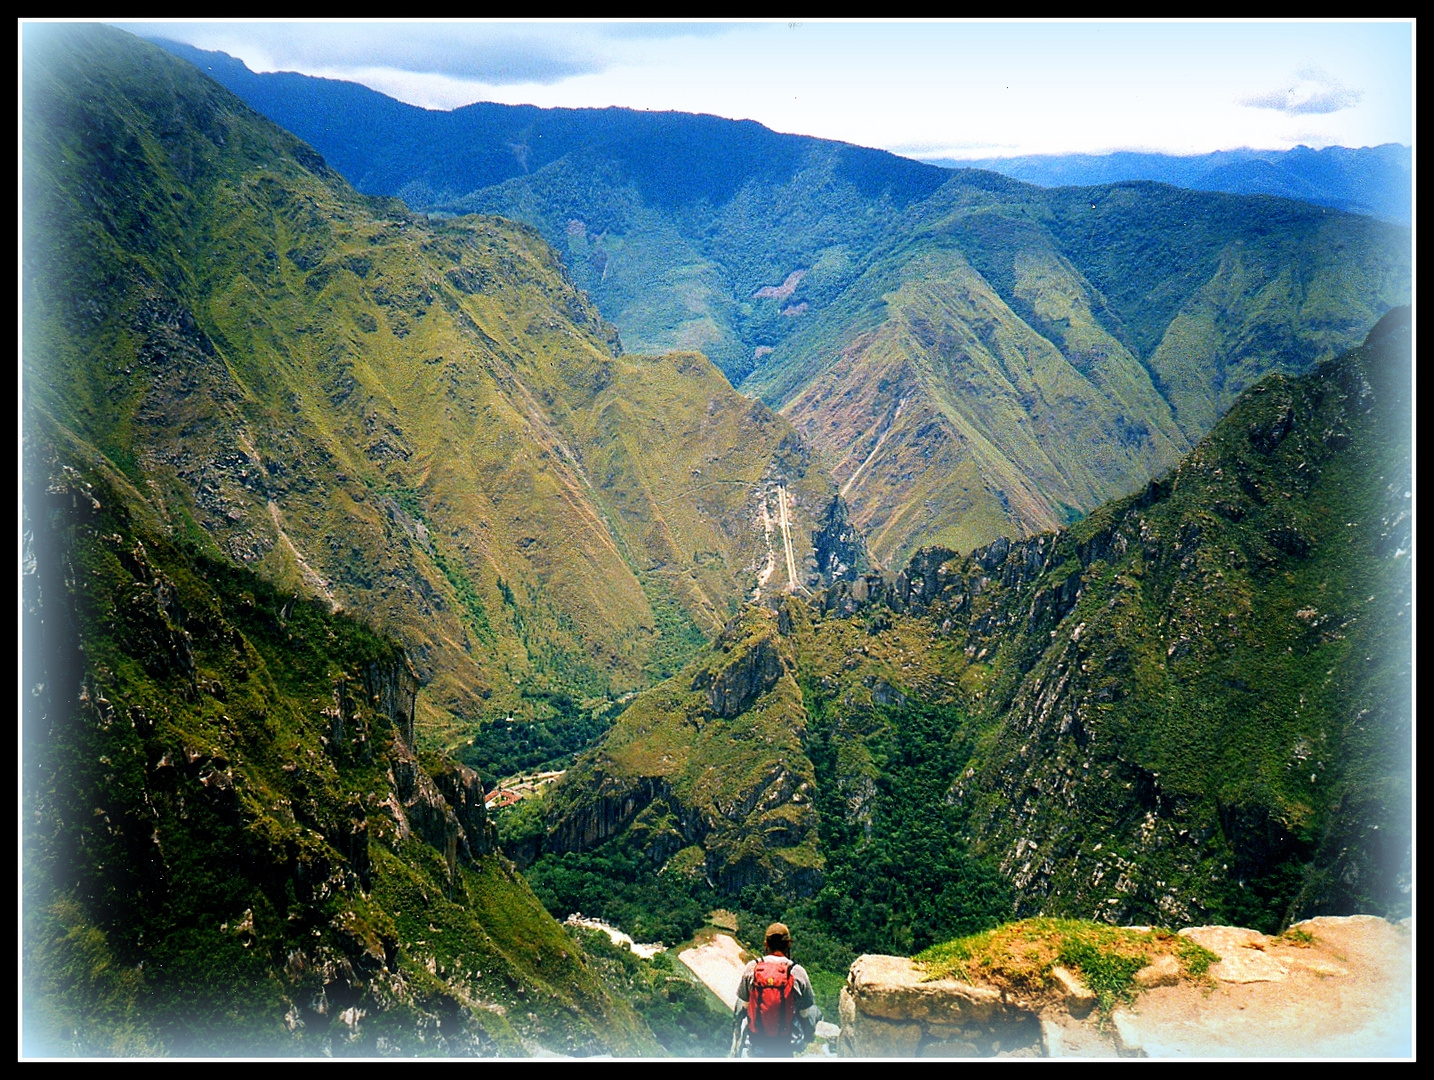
x: 889, y: 1010
x: 706, y: 774
x: 1332, y: 987
x: 732, y: 687
x: 838, y: 545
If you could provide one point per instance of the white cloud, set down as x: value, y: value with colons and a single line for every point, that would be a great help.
x: 1313, y: 92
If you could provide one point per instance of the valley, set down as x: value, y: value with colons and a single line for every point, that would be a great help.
x: 437, y: 525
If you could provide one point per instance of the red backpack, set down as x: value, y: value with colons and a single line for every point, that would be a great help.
x: 772, y: 1003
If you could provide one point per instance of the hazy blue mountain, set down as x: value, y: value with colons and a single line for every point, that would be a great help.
x: 429, y: 157
x: 1374, y: 180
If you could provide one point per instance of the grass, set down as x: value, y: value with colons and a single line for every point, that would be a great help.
x: 1019, y: 958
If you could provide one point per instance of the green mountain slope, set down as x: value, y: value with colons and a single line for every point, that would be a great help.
x: 424, y: 423
x: 1023, y: 356
x: 230, y: 846
x: 1193, y: 705
x: 1047, y: 350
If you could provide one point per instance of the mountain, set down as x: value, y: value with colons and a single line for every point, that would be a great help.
x: 425, y: 422
x: 659, y: 214
x: 1019, y: 356
x: 314, y: 486
x: 1194, y: 705
x: 1373, y: 180
x: 969, y: 357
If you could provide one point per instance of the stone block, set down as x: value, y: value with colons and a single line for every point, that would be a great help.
x: 950, y: 1048
x: 966, y: 1032
x: 1127, y: 1036
x: 846, y: 1013
x: 870, y: 1037
x: 1079, y: 998
x: 1242, y: 959
x: 1162, y: 971
x: 1052, y: 1041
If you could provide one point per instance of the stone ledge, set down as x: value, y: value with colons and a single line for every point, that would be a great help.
x: 892, y: 987
x: 1241, y: 953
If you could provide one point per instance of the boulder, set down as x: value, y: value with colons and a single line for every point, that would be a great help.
x: 894, y: 988
x: 1162, y: 971
x: 880, y: 1038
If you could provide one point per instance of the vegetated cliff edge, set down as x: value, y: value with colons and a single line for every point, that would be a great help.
x: 1192, y: 705
x: 229, y: 843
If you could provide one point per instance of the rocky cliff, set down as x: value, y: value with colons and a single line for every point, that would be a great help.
x: 1253, y: 599
x: 1330, y: 987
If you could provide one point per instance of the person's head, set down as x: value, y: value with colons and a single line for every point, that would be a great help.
x: 779, y: 940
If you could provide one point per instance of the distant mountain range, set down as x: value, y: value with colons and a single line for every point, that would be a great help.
x: 1374, y: 180
x: 968, y: 356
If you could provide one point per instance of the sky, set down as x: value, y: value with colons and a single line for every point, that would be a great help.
x: 924, y: 89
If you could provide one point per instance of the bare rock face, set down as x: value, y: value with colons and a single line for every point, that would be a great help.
x: 462, y: 789
x: 393, y: 689
x: 751, y: 674
x: 424, y: 808
x: 889, y: 1009
x: 838, y: 545
x: 1241, y: 953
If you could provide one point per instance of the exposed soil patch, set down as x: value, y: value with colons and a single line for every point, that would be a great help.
x: 782, y: 291
x: 718, y: 962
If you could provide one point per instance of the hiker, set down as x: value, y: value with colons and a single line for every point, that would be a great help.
x: 776, y: 1013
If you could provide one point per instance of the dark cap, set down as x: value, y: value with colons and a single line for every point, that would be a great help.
x: 779, y: 932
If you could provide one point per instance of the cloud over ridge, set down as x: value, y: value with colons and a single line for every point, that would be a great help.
x: 1313, y: 92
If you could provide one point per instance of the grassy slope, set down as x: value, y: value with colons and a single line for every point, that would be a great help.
x: 362, y: 404
x: 678, y: 770
x: 1057, y: 349
x: 206, y: 871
